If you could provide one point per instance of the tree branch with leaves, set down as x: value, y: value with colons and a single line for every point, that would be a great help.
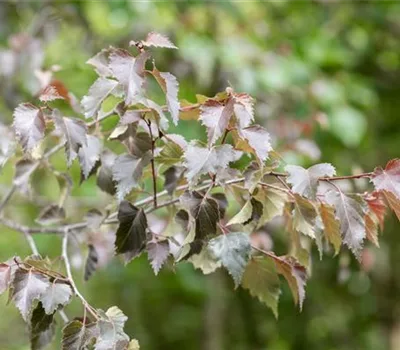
x: 236, y: 168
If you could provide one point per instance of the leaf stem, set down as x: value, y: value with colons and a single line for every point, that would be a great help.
x: 153, y: 168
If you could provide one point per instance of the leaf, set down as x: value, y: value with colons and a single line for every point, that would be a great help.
x: 111, y: 330
x: 76, y: 335
x: 105, y: 177
x: 371, y: 229
x: 139, y: 144
x: 261, y: 279
x: 243, y: 109
x: 305, y: 181
x: 127, y: 172
x: 204, y: 210
x: 170, y: 154
x: 57, y: 294
x: 29, y: 125
x: 393, y: 202
x: 331, y: 226
x: 50, y: 93
x: 170, y: 86
x: 222, y: 203
x: 215, y: 117
x: 199, y: 160
x: 101, y: 63
x: 258, y: 139
x: 42, y: 328
x: 377, y: 206
x: 5, y: 277
x: 89, y: 155
x: 131, y: 236
x: 205, y: 261
x: 157, y: 40
x: 7, y: 144
x: 243, y: 216
x: 98, y: 92
x: 273, y: 202
x: 388, y: 179
x: 91, y: 262
x: 52, y: 214
x: 26, y: 287
x: 350, y: 213
x: 172, y: 176
x: 24, y: 168
x: 74, y: 131
x: 295, y: 275
x: 304, y: 216
x: 158, y: 252
x: 133, y: 345
x: 233, y: 250
x: 129, y: 71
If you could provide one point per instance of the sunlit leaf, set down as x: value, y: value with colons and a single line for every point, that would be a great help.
x: 29, y: 125
x: 305, y: 181
x: 129, y: 71
x: 158, y: 40
x: 350, y: 212
x: 89, y: 155
x: 111, y: 330
x: 27, y: 286
x: 127, y: 172
x: 200, y: 160
x: 74, y: 130
x: 258, y: 139
x: 215, y: 117
x: 233, y: 250
x: 158, y: 252
x: 244, y: 110
x: 389, y: 178
x: 170, y: 86
x: 57, y: 294
x: 100, y: 62
x: 98, y: 92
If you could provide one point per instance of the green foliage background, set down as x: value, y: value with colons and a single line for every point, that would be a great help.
x: 336, y: 63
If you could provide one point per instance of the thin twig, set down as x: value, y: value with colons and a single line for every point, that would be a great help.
x: 70, y: 277
x: 7, y: 197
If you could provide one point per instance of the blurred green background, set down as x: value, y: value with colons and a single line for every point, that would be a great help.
x: 326, y: 77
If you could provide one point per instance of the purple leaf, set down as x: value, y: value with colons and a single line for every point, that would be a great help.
x: 74, y: 131
x: 89, y: 155
x: 127, y: 172
x: 98, y: 92
x: 29, y: 125
x: 158, y: 252
x: 305, y: 181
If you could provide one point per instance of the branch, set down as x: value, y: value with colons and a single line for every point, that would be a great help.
x: 143, y: 110
x: 71, y: 279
